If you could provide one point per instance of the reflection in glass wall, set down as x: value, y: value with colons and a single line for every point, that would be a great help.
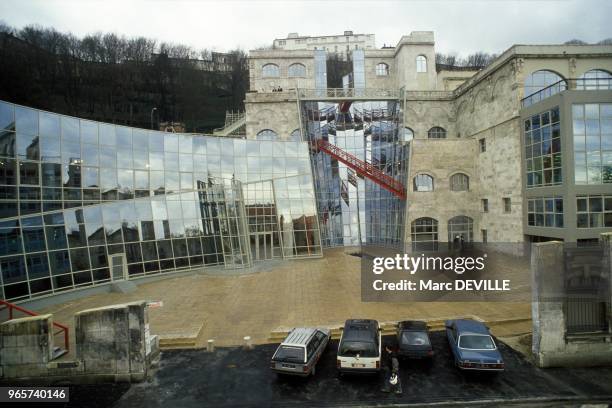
x: 354, y: 210
x: 75, y: 192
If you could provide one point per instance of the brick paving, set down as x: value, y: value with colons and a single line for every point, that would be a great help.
x: 323, y: 291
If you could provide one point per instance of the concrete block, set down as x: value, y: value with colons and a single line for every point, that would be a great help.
x: 11, y: 356
x: 123, y: 287
x: 31, y: 370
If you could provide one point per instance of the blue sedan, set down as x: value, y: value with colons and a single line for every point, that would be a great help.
x: 472, y: 345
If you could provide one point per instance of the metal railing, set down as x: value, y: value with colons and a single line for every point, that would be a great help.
x: 581, y: 84
x: 62, y: 329
x: 339, y: 93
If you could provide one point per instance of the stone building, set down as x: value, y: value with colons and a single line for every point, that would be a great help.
x: 490, y: 155
x: 339, y: 44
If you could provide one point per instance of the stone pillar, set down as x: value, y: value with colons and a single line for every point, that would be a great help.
x: 111, y: 340
x: 547, y: 271
x: 26, y: 346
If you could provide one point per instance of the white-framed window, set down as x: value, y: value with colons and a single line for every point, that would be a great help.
x: 270, y: 71
x: 436, y: 132
x: 421, y: 63
x: 423, y: 182
x: 297, y: 70
x: 266, y: 134
x: 382, y: 69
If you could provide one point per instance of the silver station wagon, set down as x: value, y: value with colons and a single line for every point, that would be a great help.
x: 299, y: 353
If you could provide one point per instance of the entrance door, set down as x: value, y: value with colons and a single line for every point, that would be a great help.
x: 262, y: 245
x: 117, y: 265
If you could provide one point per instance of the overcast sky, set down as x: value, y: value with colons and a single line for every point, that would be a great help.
x: 460, y: 26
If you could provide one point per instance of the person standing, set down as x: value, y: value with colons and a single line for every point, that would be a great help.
x: 392, y: 379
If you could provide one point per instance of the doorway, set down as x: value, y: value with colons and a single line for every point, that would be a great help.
x: 118, y: 269
x: 262, y: 246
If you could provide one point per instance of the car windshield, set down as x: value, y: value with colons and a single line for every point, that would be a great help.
x: 364, y: 349
x: 413, y: 338
x: 476, y: 342
x: 288, y: 353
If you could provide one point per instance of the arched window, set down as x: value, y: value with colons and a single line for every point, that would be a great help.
x: 421, y: 63
x: 436, y: 132
x: 296, y: 135
x: 423, y: 182
x: 595, y: 79
x: 538, y: 80
x: 407, y: 135
x: 460, y: 230
x: 267, y: 134
x: 424, y: 234
x: 270, y: 71
x: 459, y: 182
x: 382, y: 69
x: 297, y: 70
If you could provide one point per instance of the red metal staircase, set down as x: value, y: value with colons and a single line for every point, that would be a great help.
x: 363, y: 168
x: 62, y: 329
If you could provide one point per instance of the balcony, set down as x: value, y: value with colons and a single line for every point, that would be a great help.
x: 583, y: 84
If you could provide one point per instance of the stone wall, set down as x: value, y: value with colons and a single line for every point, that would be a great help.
x: 551, y: 345
x: 111, y: 340
x: 441, y: 158
x: 422, y: 115
x: 283, y: 59
x: 26, y: 346
x: 275, y: 111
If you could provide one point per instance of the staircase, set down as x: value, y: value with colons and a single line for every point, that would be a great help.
x: 363, y: 168
x: 235, y: 125
x: 62, y: 329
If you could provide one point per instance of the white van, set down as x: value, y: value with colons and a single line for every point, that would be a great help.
x: 360, y: 350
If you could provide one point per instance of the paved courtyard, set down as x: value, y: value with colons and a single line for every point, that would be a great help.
x: 323, y: 291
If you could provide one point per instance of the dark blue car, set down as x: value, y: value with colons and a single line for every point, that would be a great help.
x: 472, y: 345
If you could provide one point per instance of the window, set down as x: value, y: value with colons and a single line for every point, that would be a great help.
x: 421, y: 63
x: 407, y: 135
x: 594, y: 211
x: 507, y: 204
x: 270, y: 71
x: 459, y: 182
x: 539, y: 80
x: 485, y: 204
x: 482, y: 143
x: 267, y: 134
x: 424, y: 234
x: 436, y: 132
x: 296, y: 135
x: 460, y: 229
x: 423, y: 182
x: 592, y: 124
x: 282, y: 42
x: 382, y: 69
x: 483, y: 232
x: 545, y: 212
x: 297, y: 70
x: 595, y: 79
x: 543, y: 149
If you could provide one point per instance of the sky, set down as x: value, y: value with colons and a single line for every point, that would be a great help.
x: 460, y: 26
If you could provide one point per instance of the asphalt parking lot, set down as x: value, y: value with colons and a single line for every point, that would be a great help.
x: 235, y: 377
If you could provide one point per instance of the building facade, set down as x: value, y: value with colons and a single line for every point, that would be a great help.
x: 338, y: 44
x: 407, y: 155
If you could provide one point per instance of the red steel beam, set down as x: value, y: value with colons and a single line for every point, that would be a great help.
x: 364, y: 168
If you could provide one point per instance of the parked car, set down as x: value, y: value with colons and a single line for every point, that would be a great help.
x: 413, y: 340
x: 359, y: 350
x: 472, y: 346
x: 299, y: 353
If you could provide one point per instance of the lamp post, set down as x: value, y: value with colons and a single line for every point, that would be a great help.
x: 152, y: 110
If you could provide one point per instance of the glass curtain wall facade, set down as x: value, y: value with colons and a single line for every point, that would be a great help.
x: 354, y: 210
x: 75, y: 193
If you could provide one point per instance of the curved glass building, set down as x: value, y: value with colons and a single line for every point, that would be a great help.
x: 85, y: 203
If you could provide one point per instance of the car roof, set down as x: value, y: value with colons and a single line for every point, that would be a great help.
x: 299, y: 336
x: 466, y: 326
x: 412, y: 325
x: 360, y: 329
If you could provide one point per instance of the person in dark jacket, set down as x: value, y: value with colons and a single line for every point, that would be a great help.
x: 392, y: 380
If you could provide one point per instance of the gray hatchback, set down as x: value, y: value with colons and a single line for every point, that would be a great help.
x: 299, y: 353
